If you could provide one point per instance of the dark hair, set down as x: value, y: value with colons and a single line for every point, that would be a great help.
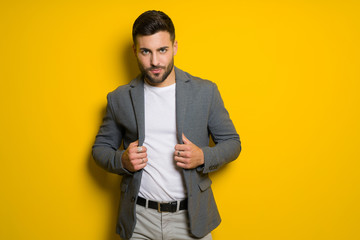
x: 151, y: 22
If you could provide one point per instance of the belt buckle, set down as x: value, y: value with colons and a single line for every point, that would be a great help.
x: 169, y: 208
x: 159, y: 206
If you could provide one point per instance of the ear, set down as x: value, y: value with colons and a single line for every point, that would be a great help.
x: 175, y: 47
x: 134, y: 49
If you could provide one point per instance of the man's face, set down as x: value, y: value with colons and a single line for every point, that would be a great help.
x: 155, y: 56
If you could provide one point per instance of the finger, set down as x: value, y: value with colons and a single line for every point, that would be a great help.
x: 185, y: 139
x: 183, y: 165
x: 182, y: 159
x: 177, y: 153
x: 182, y: 154
x: 141, y: 161
x: 182, y: 147
x: 134, y: 148
x: 135, y: 156
x: 178, y: 159
x: 140, y: 166
x: 180, y: 164
x: 141, y: 155
x: 139, y: 149
x: 135, y: 143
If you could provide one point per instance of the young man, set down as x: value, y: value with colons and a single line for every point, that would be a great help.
x: 164, y: 118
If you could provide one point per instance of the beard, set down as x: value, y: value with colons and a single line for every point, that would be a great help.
x: 157, y: 78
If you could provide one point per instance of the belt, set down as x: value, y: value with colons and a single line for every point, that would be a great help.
x: 163, y: 206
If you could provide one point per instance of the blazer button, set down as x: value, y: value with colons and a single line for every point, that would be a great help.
x: 133, y: 199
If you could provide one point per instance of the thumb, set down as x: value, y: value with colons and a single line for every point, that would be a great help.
x: 135, y: 143
x: 185, y: 140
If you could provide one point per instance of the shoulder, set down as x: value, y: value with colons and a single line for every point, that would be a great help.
x: 119, y: 91
x: 195, y: 81
x: 123, y: 91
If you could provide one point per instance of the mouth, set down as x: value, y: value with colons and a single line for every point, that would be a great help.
x: 155, y: 70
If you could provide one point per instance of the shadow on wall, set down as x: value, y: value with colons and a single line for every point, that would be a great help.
x: 127, y: 58
x: 109, y: 182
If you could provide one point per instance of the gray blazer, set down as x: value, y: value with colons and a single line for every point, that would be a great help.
x: 200, y: 113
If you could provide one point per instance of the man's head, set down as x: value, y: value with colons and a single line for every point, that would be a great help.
x: 151, y: 22
x: 155, y: 47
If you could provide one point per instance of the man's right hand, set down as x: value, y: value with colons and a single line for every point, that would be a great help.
x: 135, y: 157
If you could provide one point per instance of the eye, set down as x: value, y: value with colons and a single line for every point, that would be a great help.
x: 144, y: 51
x: 163, y: 50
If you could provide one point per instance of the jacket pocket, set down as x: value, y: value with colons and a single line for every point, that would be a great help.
x: 205, y: 184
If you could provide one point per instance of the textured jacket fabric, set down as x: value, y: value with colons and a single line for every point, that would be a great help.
x: 200, y: 113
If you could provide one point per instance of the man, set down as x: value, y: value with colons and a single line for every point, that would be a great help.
x: 164, y: 118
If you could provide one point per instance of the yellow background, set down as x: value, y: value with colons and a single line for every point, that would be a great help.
x: 288, y: 72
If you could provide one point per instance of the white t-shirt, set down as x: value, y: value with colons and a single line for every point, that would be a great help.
x: 161, y: 180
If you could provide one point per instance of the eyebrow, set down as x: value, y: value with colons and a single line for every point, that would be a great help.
x: 165, y: 47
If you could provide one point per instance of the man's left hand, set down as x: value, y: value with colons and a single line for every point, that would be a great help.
x: 188, y: 155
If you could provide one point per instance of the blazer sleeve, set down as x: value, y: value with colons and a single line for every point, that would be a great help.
x: 227, y: 142
x: 105, y: 150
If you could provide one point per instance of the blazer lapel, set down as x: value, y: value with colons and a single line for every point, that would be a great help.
x: 137, y: 98
x: 182, y: 92
x: 182, y: 96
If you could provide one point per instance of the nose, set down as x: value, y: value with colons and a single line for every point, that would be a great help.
x: 154, y: 59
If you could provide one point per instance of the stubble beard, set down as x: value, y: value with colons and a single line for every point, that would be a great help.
x: 158, y: 79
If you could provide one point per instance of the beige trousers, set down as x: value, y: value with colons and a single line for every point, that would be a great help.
x: 162, y: 226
